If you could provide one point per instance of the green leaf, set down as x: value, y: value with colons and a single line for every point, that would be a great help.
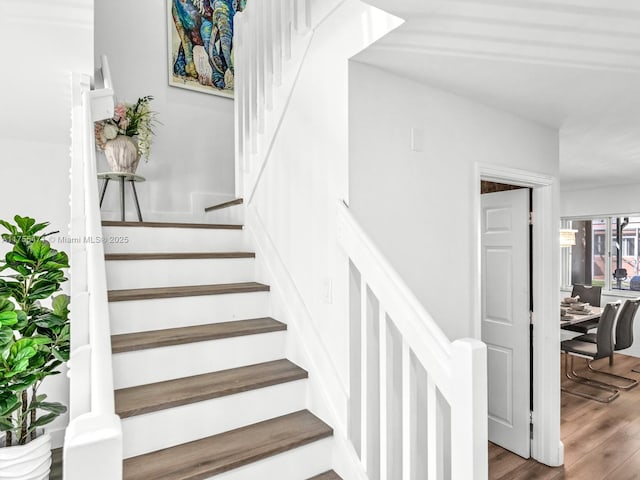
x: 8, y: 318
x: 14, y: 258
x: 24, y: 223
x: 8, y: 404
x: 18, y: 368
x: 38, y: 227
x: 24, y: 383
x: 42, y: 292
x: 40, y: 340
x: 22, y: 349
x: 6, y: 304
x: 23, y: 319
x: 61, y: 305
x: 6, y: 337
x: 40, y: 249
x: 49, y: 322
x: 62, y: 356
x: 53, y: 407
x: 5, y: 425
x: 8, y: 226
x: 44, y: 420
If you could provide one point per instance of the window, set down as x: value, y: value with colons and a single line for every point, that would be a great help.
x: 605, y: 253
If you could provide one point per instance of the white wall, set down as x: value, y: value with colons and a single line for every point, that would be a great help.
x: 417, y: 206
x: 192, y: 163
x: 35, y: 94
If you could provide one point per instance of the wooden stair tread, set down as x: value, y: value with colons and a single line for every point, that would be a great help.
x: 177, y: 256
x: 129, y: 342
x: 330, y: 475
x: 185, y: 291
x: 218, y: 226
x: 223, y: 452
x: 182, y: 391
x: 230, y: 203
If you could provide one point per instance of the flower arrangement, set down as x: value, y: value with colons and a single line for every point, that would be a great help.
x: 131, y: 120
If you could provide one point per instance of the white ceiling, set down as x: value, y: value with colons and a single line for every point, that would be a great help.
x: 569, y: 64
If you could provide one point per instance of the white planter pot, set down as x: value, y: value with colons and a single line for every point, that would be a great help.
x: 26, y: 462
x: 122, y: 154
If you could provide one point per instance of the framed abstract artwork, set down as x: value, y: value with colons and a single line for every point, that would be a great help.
x: 200, y: 43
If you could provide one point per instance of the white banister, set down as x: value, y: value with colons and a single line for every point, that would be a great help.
x: 93, y: 439
x: 408, y: 392
x: 364, y: 385
x: 384, y: 423
x: 271, y: 38
x: 456, y: 373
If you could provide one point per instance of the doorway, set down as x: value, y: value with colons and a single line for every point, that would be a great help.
x: 545, y: 444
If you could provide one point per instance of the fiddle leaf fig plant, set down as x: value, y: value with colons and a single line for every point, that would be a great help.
x: 34, y: 338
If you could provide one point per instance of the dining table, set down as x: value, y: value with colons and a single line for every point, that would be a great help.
x: 576, y: 318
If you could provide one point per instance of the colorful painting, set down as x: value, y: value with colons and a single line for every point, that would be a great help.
x: 201, y: 44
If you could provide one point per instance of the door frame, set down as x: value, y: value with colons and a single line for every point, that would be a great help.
x: 546, y: 446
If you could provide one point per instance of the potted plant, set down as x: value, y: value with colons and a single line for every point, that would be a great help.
x: 127, y: 136
x: 34, y: 342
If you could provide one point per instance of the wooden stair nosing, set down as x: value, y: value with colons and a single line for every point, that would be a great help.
x: 129, y: 342
x: 220, y: 453
x: 184, y: 291
x: 153, y: 397
x: 330, y: 475
x: 213, y: 226
x: 178, y: 256
x: 230, y: 203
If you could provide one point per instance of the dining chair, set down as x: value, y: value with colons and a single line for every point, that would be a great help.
x: 589, y: 294
x: 623, y: 340
x: 592, y: 351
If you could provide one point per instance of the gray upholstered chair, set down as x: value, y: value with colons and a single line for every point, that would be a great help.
x: 623, y: 340
x: 603, y: 348
x: 591, y: 295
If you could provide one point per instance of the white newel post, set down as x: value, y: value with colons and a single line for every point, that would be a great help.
x: 469, y: 428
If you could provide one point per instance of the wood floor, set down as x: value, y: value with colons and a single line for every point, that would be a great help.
x: 56, y: 464
x: 601, y: 441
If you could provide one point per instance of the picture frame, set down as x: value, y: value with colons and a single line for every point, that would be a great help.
x: 200, y: 45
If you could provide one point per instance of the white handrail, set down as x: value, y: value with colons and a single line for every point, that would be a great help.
x: 94, y: 434
x: 454, y: 370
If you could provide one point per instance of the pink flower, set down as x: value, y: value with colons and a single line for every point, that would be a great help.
x: 120, y: 112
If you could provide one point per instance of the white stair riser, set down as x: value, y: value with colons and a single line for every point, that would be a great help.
x: 161, y: 313
x: 122, y: 274
x: 232, y: 215
x: 169, y: 240
x: 166, y: 363
x: 302, y: 462
x: 174, y: 426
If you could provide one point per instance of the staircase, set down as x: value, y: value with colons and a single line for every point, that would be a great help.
x: 202, y: 385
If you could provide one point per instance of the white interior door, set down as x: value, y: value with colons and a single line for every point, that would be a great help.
x: 505, y: 316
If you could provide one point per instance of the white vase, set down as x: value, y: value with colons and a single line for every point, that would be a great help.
x: 122, y: 154
x: 26, y: 462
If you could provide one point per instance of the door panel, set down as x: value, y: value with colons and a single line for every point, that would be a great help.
x: 505, y: 316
